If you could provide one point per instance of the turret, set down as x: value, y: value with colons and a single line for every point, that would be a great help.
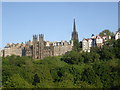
x: 41, y: 46
x: 41, y: 37
x: 35, y: 40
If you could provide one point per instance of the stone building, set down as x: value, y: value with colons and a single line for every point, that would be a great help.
x: 87, y: 44
x: 98, y: 41
x: 38, y: 48
x: 117, y: 35
x: 92, y: 42
x: 41, y: 48
x: 12, y: 49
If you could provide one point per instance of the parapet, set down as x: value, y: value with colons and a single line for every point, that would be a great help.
x: 62, y: 43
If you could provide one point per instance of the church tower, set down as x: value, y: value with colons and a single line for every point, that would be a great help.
x: 74, y: 33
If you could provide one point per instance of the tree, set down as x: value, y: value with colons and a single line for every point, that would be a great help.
x: 70, y: 57
x: 76, y: 45
x: 16, y: 81
x: 90, y: 77
x: 36, y: 80
x: 106, y: 53
x: 98, y: 69
x: 117, y: 48
x: 106, y: 32
x: 106, y: 73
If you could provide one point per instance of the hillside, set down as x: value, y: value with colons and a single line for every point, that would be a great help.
x: 97, y: 69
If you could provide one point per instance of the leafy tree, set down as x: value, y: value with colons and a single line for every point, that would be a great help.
x: 117, y: 48
x: 76, y: 46
x: 106, y: 53
x: 88, y: 75
x: 71, y: 57
x: 16, y: 81
x: 84, y: 84
x: 36, y: 80
x: 106, y: 32
x: 97, y: 69
x: 90, y: 57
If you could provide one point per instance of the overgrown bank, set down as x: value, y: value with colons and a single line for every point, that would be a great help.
x: 97, y: 69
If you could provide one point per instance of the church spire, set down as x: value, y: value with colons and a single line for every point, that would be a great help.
x: 74, y: 33
x: 74, y: 27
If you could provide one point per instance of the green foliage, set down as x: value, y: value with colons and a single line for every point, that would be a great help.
x: 116, y: 46
x: 36, y: 80
x: 90, y: 77
x: 74, y: 57
x: 76, y: 46
x: 107, y: 72
x: 106, y: 32
x: 97, y: 69
x: 106, y: 53
x: 16, y: 81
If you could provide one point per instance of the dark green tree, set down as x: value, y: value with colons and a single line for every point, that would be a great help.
x: 106, y: 32
x: 89, y: 76
x: 116, y: 46
x: 36, y: 80
x: 76, y: 45
x: 106, y: 53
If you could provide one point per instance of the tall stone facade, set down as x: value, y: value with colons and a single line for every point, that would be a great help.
x: 41, y: 48
x: 13, y: 49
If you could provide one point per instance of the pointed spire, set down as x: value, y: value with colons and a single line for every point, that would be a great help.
x: 74, y: 33
x: 74, y: 26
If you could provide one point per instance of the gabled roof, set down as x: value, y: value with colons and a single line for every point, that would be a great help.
x: 99, y: 37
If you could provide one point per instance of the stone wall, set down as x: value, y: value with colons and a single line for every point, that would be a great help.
x: 12, y: 51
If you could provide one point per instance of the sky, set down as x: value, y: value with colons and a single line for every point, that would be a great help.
x: 21, y: 20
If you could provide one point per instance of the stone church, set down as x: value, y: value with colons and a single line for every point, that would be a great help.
x: 38, y: 48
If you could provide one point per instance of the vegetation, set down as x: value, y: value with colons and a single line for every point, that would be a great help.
x: 75, y: 69
x: 106, y: 32
x: 76, y: 45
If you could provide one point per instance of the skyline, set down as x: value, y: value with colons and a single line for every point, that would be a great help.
x: 55, y: 20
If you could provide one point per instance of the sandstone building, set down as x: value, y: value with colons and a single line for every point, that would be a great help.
x: 38, y: 48
x: 13, y: 49
x: 41, y: 48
